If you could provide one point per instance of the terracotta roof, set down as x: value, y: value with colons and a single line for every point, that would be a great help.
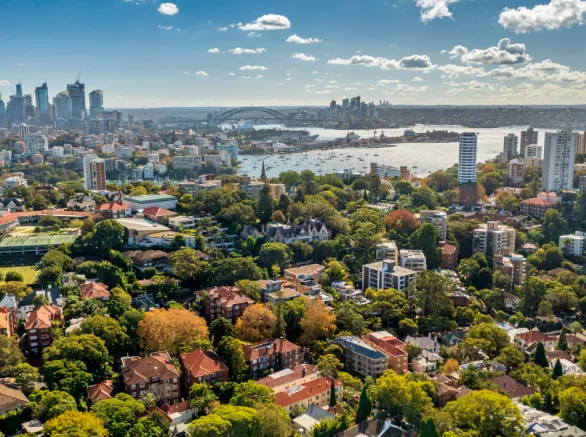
x: 449, y: 249
x: 202, y: 363
x: 269, y: 347
x: 8, y: 218
x: 229, y: 296
x: 55, y: 212
x: 390, y: 345
x: 42, y: 317
x: 513, y: 388
x: 11, y: 398
x: 144, y: 255
x: 554, y: 355
x: 113, y: 206
x: 101, y: 391
x: 308, y: 390
x: 94, y: 290
x: 535, y: 336
x: 5, y: 318
x: 288, y: 376
x: 136, y: 370
x: 537, y: 201
x: 156, y: 211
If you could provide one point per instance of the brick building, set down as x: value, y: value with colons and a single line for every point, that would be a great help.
x: 272, y: 354
x: 202, y: 366
x: 225, y: 302
x: 154, y: 374
x: 38, y: 326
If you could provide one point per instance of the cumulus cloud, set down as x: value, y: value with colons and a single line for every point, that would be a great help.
x: 348, y: 88
x: 267, y: 22
x: 417, y: 79
x: 453, y: 71
x: 540, y: 71
x: 304, y: 57
x: 222, y: 29
x: 388, y: 81
x: 432, y: 9
x: 259, y: 76
x: 332, y: 86
x: 253, y: 68
x: 505, y: 53
x: 404, y: 88
x: 168, y: 9
x: 201, y: 73
x: 323, y: 92
x: 165, y: 27
x: 298, y: 40
x: 554, y: 15
x: 5, y: 83
x: 254, y: 35
x: 231, y: 74
x: 239, y: 51
x: 214, y: 50
x: 413, y: 62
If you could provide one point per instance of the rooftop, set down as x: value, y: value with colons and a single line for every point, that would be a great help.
x: 148, y: 198
x: 138, y: 224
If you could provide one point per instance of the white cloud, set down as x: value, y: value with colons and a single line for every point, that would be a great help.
x: 231, y: 74
x: 254, y: 35
x: 348, y: 88
x: 504, y: 53
x: 387, y: 81
x: 413, y: 62
x: 299, y: 40
x: 453, y: 71
x: 239, y: 51
x: 267, y: 22
x: 5, y: 83
x: 259, y: 76
x: 246, y: 77
x: 214, y: 50
x: 554, y: 15
x: 417, y: 79
x: 332, y: 86
x: 403, y: 88
x: 222, y: 29
x: 201, y: 73
x: 253, y: 68
x: 323, y: 92
x: 165, y: 27
x: 333, y: 81
x: 314, y: 72
x: 432, y: 9
x: 303, y: 57
x: 168, y: 8
x: 288, y: 78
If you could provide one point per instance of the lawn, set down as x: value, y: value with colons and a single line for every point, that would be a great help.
x: 28, y: 272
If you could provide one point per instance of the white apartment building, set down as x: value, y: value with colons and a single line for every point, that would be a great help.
x: 467, y: 158
x: 385, y: 171
x: 534, y: 151
x: 494, y: 238
x: 439, y: 219
x: 573, y: 244
x: 186, y: 162
x: 385, y: 274
x: 56, y: 151
x: 149, y: 171
x: 387, y: 250
x: 558, y: 160
x: 94, y: 173
x: 413, y: 259
x: 510, y: 146
x: 124, y: 153
x: 36, y: 143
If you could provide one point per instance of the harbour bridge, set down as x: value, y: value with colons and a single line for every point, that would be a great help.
x: 236, y: 114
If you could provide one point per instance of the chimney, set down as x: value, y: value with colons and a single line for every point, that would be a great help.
x: 303, y: 371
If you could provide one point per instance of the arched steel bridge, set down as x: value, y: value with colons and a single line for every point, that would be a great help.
x: 250, y: 113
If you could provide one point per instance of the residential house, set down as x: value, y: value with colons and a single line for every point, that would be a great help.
x: 178, y: 416
x: 202, y: 366
x: 310, y: 231
x: 317, y: 391
x: 154, y: 374
x: 271, y: 354
x: 114, y: 210
x: 38, y: 326
x: 426, y: 362
x: 11, y: 399
x: 427, y: 343
x: 568, y: 367
x: 290, y: 377
x: 100, y: 392
x: 391, y: 346
x: 81, y: 202
x: 158, y: 214
x: 361, y: 357
x: 7, y: 321
x: 94, y: 290
x: 149, y: 259
x: 305, y: 279
x: 312, y: 416
x: 515, y: 390
x: 376, y: 428
x: 225, y: 302
x: 528, y: 341
x: 541, y: 424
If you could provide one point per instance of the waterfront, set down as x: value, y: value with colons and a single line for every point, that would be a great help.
x: 421, y: 158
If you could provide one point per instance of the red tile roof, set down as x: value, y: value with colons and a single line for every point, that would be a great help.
x: 535, y: 336
x: 136, y: 370
x: 202, y: 363
x: 42, y: 317
x: 114, y: 206
x: 449, y: 249
x: 229, y: 296
x: 537, y: 201
x: 513, y: 388
x: 101, y: 391
x: 155, y: 211
x: 95, y: 290
x: 297, y: 372
x: 308, y: 390
x: 8, y: 218
x: 269, y: 347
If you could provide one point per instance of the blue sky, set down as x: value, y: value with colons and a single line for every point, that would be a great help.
x: 145, y: 53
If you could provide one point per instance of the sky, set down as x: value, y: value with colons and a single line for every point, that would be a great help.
x: 145, y: 53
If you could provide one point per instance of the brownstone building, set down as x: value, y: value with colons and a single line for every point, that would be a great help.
x: 154, y: 374
x: 202, y: 366
x: 38, y: 326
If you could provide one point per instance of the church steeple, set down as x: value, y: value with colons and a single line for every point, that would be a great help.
x: 263, y: 173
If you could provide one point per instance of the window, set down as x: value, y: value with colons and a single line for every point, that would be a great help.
x: 174, y: 379
x: 141, y: 385
x: 142, y: 392
x: 133, y: 386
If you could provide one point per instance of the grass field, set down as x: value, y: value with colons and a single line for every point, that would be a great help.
x: 28, y: 272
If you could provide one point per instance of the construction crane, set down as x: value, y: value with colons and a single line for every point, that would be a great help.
x: 78, y: 77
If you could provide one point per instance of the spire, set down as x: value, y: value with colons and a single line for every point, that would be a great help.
x: 263, y: 173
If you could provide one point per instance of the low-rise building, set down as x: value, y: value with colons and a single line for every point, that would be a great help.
x: 271, y: 354
x: 149, y: 259
x: 225, y: 302
x: 391, y: 346
x: 11, y: 399
x: 515, y: 390
x: 439, y: 219
x: 387, y: 250
x: 154, y: 374
x: 426, y: 362
x: 573, y: 244
x: 527, y: 341
x: 317, y: 392
x: 361, y: 357
x: 413, y: 260
x: 38, y: 327
x: 308, y: 232
x: 137, y: 229
x: 305, y: 279
x: 7, y: 321
x: 202, y: 366
x: 288, y: 378
x: 385, y: 274
x: 81, y: 202
x: 535, y: 207
x: 449, y: 257
x: 94, y: 290
x: 100, y: 392
x: 158, y: 214
x: 513, y: 266
x: 114, y: 210
x: 140, y: 203
x: 494, y: 238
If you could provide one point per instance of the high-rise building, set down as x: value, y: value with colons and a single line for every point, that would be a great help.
x: 42, y: 104
x: 467, y: 158
x: 510, y: 147
x: 333, y: 105
x: 36, y: 143
x: 94, y: 173
x: 581, y: 146
x: 529, y: 136
x: 582, y: 185
x: 29, y: 108
x: 439, y: 219
x: 15, y: 111
x: 2, y: 112
x: 96, y: 102
x: 23, y: 130
x: 516, y: 172
x: 77, y: 93
x: 493, y: 238
x: 62, y: 105
x: 558, y: 160
x: 533, y: 151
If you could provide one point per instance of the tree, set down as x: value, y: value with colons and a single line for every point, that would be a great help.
x: 74, y: 423
x: 403, y: 188
x: 407, y: 327
x: 425, y: 239
x: 273, y: 421
x: 10, y: 355
x: 66, y: 375
x: 573, y: 406
x: 348, y: 319
x: 249, y: 394
x: 334, y: 271
x: 329, y: 365
x: 109, y: 235
x: 582, y: 360
x: 15, y: 288
x: 187, y: 265
x: 350, y: 384
x: 562, y: 344
x: 211, y: 425
x: 494, y: 336
x: 424, y: 197
x: 364, y: 406
x: 486, y: 414
x: 491, y: 181
x: 401, y: 221
x: 558, y: 370
x: 333, y: 400
x: 511, y: 357
x: 174, y: 330
x: 367, y: 215
x: 249, y: 288
x: 540, y: 358
x: 109, y: 330
x: 553, y: 225
x: 317, y: 323
x: 48, y: 404
x: 256, y: 323
x: 451, y: 366
x: 220, y: 329
x: 391, y: 304
x: 86, y: 348
x: 506, y: 201
x: 265, y: 205
x: 119, y: 414
x: 13, y: 276
x: 428, y: 428
x: 202, y: 398
x: 230, y: 349
x: 25, y: 377
x: 275, y: 253
x: 284, y: 204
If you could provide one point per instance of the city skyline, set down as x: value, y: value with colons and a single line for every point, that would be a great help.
x: 151, y: 54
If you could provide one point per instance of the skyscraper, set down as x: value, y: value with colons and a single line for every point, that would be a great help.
x: 29, y: 108
x: 558, y: 160
x: 510, y: 147
x: 77, y: 93
x: 15, y: 111
x: 96, y: 102
x: 94, y: 173
x: 2, y: 112
x: 42, y: 104
x: 62, y: 106
x: 467, y: 158
x: 528, y: 136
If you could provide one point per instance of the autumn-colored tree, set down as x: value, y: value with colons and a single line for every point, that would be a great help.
x: 16, y: 288
x: 174, y: 330
x: 75, y: 423
x: 256, y: 323
x: 317, y: 323
x: 450, y: 367
x: 402, y: 221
